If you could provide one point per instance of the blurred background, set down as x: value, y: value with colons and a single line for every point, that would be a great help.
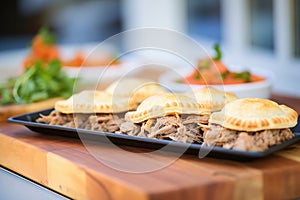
x: 260, y: 33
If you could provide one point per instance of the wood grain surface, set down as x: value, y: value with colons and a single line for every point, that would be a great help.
x: 13, y: 109
x: 87, y: 170
x: 66, y: 166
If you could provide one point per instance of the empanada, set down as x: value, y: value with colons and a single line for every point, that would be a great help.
x: 166, y: 104
x: 136, y: 89
x: 93, y: 101
x: 250, y: 124
x: 213, y: 98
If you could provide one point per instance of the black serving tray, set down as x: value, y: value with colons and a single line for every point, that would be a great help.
x: 29, y: 120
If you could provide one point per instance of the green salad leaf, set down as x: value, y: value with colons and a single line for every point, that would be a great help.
x: 37, y: 83
x: 47, y: 35
x: 245, y: 75
x: 218, y: 52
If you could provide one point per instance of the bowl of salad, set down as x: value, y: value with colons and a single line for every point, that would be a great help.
x: 88, y: 61
x: 254, y: 82
x: 91, y: 64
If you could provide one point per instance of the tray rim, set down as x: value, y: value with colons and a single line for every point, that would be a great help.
x: 219, y: 150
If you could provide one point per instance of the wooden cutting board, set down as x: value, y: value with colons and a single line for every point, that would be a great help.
x: 65, y: 165
x: 12, y: 110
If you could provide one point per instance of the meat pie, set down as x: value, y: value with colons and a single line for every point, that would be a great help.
x: 250, y: 124
x: 93, y: 110
x: 176, y: 116
x: 214, y: 98
x: 169, y: 116
x: 102, y: 110
x: 135, y: 89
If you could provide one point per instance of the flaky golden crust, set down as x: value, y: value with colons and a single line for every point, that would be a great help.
x: 136, y: 89
x: 254, y: 114
x: 165, y: 104
x: 93, y: 102
x: 212, y: 97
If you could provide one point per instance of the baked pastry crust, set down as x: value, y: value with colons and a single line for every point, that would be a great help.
x: 254, y: 114
x: 212, y: 97
x: 136, y: 89
x: 93, y: 101
x: 166, y: 104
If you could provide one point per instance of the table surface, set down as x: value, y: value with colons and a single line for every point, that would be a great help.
x: 71, y: 167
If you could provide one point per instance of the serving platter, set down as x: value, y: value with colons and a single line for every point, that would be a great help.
x: 29, y: 120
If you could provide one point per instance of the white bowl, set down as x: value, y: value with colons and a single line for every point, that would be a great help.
x: 91, y: 75
x: 94, y: 73
x: 261, y: 89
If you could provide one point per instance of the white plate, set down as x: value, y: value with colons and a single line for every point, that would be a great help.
x: 260, y: 89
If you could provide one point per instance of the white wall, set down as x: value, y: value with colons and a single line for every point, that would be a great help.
x: 236, y: 35
x: 286, y: 68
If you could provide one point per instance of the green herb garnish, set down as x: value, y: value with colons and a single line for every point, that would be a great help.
x: 245, y: 75
x: 197, y: 76
x: 37, y: 83
x: 224, y: 75
x: 217, y: 49
x: 48, y: 37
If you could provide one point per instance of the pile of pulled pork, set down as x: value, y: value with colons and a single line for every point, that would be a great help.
x: 180, y: 128
x: 217, y: 135
x: 95, y: 122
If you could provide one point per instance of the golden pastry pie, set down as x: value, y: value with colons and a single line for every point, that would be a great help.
x: 93, y: 101
x: 166, y: 104
x: 250, y: 124
x: 214, y: 98
x: 92, y: 110
x: 169, y: 116
x: 136, y: 89
x: 254, y: 114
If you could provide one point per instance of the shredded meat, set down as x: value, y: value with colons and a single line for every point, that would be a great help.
x: 130, y: 128
x: 273, y: 137
x: 197, y: 119
x: 246, y: 142
x: 184, y: 128
x: 97, y: 122
x: 217, y: 135
x: 57, y: 118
